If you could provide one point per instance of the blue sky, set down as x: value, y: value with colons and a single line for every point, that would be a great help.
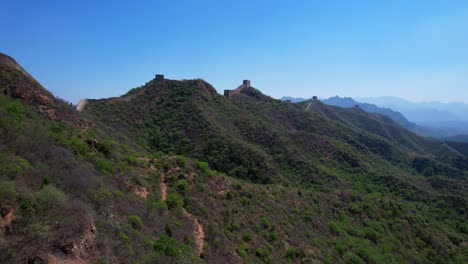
x: 411, y: 49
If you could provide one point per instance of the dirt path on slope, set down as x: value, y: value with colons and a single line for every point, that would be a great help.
x: 163, y: 188
x: 198, y: 232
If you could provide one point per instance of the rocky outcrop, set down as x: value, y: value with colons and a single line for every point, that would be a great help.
x: 83, y: 245
x: 78, y: 249
x: 81, y: 104
x: 140, y: 192
x: 6, y: 217
x: 18, y: 83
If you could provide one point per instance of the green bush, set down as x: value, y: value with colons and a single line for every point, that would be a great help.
x: 78, y: 146
x: 352, y: 258
x: 135, y: 221
x: 104, y: 166
x: 243, y: 249
x: 50, y: 197
x: 265, y: 222
x: 8, y: 193
x: 247, y: 237
x: 16, y: 112
x: 9, y: 169
x: 204, y: 167
x: 273, y: 236
x: 173, y: 200
x: 46, y: 181
x: 12, y: 122
x: 167, y: 246
x: 157, y: 205
x: 132, y: 160
x: 292, y: 253
x: 182, y: 185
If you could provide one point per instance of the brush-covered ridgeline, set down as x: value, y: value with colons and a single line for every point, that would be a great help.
x: 173, y: 172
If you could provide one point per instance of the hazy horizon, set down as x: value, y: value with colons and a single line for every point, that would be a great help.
x: 414, y: 51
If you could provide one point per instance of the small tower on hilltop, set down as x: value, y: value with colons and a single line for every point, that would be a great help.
x: 226, y: 93
x: 246, y: 83
x: 159, y: 77
x: 314, y: 97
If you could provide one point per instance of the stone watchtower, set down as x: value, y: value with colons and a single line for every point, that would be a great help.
x: 314, y: 97
x: 246, y: 83
x: 159, y: 77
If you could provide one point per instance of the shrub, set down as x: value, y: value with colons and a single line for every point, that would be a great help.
x: 15, y: 111
x: 247, y: 237
x: 242, y: 253
x: 159, y: 206
x: 167, y: 246
x: 132, y: 160
x: 173, y: 200
x: 335, y: 228
x: 245, y: 200
x: 15, y: 116
x: 51, y: 198
x: 265, y: 222
x: 135, y: 221
x: 46, y: 181
x: 8, y: 192
x: 233, y: 227
x: 341, y: 247
x: 243, y: 250
x: 428, y: 171
x: 292, y: 252
x: 104, y: 166
x: 352, y: 258
x: 9, y: 168
x: 273, y: 236
x: 204, y: 167
x: 262, y: 253
x: 182, y: 185
x: 78, y: 147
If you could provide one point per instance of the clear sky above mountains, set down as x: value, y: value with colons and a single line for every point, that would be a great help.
x: 411, y: 49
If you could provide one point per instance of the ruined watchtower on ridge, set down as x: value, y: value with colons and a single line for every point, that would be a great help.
x: 314, y: 97
x: 159, y: 77
x: 245, y: 84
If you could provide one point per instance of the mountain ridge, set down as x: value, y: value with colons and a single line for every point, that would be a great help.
x: 173, y: 165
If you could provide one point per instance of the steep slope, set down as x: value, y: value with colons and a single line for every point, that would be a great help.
x: 114, y: 192
x: 250, y: 135
x: 380, y: 125
x: 18, y: 83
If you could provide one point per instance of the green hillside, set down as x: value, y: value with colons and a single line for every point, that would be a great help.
x: 173, y: 172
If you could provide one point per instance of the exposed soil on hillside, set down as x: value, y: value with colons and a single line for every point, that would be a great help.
x: 198, y: 232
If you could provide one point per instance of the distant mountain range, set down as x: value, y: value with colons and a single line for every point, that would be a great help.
x: 444, y: 121
x: 438, y: 119
x: 293, y: 99
x: 422, y: 112
x: 371, y: 108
